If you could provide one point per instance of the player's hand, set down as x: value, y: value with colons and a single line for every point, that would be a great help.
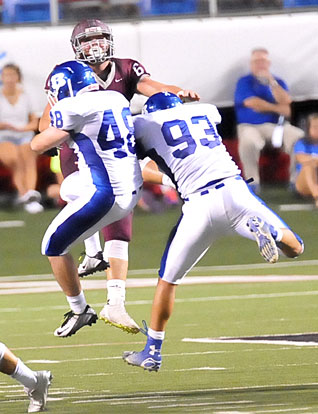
x: 187, y: 95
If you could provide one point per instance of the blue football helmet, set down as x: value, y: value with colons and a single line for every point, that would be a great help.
x: 69, y: 79
x: 160, y: 101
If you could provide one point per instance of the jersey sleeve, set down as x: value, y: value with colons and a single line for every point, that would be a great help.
x: 63, y: 117
x: 136, y: 71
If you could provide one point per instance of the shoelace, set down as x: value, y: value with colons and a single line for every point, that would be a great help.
x: 144, y: 330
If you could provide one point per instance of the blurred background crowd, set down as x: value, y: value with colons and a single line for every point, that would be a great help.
x: 34, y: 183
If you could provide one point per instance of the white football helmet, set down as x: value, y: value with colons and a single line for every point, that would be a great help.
x: 92, y: 41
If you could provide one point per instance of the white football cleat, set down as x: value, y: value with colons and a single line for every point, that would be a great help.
x: 38, y: 395
x: 266, y: 243
x: 116, y: 315
x: 93, y: 264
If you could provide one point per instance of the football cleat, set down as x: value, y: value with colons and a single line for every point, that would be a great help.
x: 93, y: 264
x: 38, y: 395
x: 266, y: 243
x: 148, y: 359
x: 116, y: 315
x: 75, y: 321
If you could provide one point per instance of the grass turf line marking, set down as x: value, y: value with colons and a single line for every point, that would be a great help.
x: 179, y: 300
x: 11, y: 223
x: 245, y: 341
x: 277, y: 387
x: 7, y: 288
x: 200, y: 369
x: 136, y: 272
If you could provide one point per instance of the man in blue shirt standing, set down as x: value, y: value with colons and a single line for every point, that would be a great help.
x: 261, y: 99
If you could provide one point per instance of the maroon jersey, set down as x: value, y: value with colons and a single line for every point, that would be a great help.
x: 122, y: 76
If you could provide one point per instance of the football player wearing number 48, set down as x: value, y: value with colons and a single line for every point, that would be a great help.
x: 110, y: 175
x: 184, y: 142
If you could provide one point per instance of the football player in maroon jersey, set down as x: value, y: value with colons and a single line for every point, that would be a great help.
x: 92, y: 42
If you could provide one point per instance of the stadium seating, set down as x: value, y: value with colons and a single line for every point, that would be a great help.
x: 26, y: 11
x: 273, y: 163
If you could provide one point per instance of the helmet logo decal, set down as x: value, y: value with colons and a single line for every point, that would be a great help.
x: 58, y: 80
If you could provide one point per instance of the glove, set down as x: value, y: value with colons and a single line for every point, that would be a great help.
x: 52, y: 152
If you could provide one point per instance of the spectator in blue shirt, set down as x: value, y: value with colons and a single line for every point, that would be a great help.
x: 261, y: 99
x: 306, y: 154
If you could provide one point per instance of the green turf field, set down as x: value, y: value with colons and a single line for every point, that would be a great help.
x: 201, y: 372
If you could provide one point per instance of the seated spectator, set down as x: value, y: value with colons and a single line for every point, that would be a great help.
x: 306, y: 154
x: 17, y: 125
x: 260, y: 100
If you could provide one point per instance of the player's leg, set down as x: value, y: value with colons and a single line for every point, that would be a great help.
x: 253, y: 219
x: 117, y: 237
x: 72, y: 223
x: 250, y: 144
x: 36, y: 383
x: 77, y: 221
x: 93, y: 261
x: 188, y: 242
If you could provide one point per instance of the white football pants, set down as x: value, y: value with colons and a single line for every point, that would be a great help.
x: 207, y: 216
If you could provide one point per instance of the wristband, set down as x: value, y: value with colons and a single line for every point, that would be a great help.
x: 167, y: 181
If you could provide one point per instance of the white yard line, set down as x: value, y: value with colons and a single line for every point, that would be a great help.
x: 248, y: 341
x: 11, y: 223
x: 19, y: 287
x: 208, y: 269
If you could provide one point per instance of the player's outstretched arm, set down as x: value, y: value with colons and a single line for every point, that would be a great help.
x: 148, y: 87
x: 47, y: 139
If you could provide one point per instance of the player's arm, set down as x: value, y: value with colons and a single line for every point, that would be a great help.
x: 49, y: 138
x: 45, y: 118
x: 260, y: 105
x: 152, y: 174
x: 148, y: 87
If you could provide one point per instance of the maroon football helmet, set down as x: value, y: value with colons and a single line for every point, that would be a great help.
x: 92, y: 41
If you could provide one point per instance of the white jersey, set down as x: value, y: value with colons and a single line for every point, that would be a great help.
x: 186, y: 145
x: 102, y: 136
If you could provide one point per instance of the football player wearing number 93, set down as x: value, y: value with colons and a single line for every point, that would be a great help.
x: 110, y: 174
x: 184, y: 141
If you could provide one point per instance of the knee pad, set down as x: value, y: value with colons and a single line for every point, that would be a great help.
x: 2, y: 350
x: 117, y: 249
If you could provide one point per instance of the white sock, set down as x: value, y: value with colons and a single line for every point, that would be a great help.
x: 279, y: 234
x: 156, y: 334
x: 92, y: 245
x: 116, y: 291
x: 25, y: 375
x: 77, y: 303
